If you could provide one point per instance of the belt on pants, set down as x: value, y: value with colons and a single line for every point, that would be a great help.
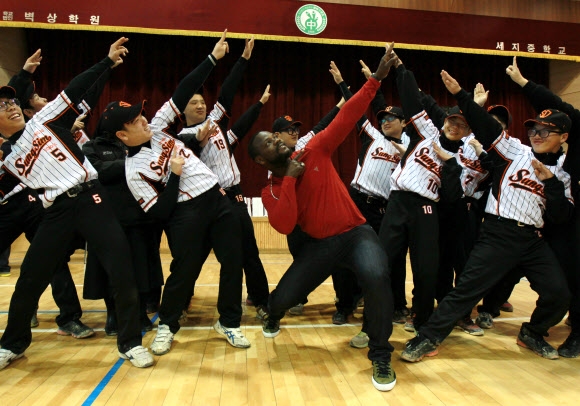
x: 83, y: 187
x: 370, y: 199
x: 512, y: 222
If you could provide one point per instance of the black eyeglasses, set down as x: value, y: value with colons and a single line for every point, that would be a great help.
x: 388, y: 118
x: 293, y: 131
x: 543, y: 133
x: 10, y: 102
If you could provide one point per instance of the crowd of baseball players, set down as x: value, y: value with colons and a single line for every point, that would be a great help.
x: 473, y: 207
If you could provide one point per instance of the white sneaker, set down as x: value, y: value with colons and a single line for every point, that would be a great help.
x: 233, y: 335
x: 6, y: 356
x: 162, y: 342
x: 139, y: 356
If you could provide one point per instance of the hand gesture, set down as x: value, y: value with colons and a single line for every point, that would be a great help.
x: 441, y: 153
x: 32, y: 62
x: 335, y: 73
x: 78, y: 124
x: 401, y: 149
x: 295, y: 167
x: 248, y: 48
x: 387, y: 61
x: 117, y: 50
x: 365, y: 69
x: 204, y: 133
x: 514, y: 72
x: 476, y: 145
x: 221, y: 47
x: 266, y: 96
x: 450, y: 83
x: 480, y: 94
x: 176, y: 162
x: 541, y: 171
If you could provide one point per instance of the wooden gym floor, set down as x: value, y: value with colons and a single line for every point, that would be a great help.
x: 309, y: 363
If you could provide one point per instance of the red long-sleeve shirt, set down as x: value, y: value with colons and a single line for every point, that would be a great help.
x: 318, y: 201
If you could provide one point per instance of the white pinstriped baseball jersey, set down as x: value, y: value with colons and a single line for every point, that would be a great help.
x: 473, y: 174
x: 302, y: 141
x: 41, y: 160
x: 148, y: 171
x: 216, y: 154
x: 373, y: 176
x: 521, y: 194
x: 421, y: 173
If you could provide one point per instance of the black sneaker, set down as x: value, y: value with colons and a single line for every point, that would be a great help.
x: 339, y: 318
x: 400, y: 316
x: 111, y: 325
x: 484, y: 320
x: 270, y: 327
x: 418, y: 347
x: 34, y: 321
x: 384, y: 378
x: 536, y: 343
x: 75, y: 328
x: 571, y: 347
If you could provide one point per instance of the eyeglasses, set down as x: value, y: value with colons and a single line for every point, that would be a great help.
x: 388, y: 118
x: 543, y: 133
x: 293, y: 131
x: 10, y: 102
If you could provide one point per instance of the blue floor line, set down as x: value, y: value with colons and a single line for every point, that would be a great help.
x: 107, y: 378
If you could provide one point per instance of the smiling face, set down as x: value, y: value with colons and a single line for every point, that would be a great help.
x: 196, y: 110
x: 552, y: 142
x: 289, y: 136
x: 135, y: 132
x: 11, y: 117
x: 455, y: 128
x: 392, y: 126
x: 272, y: 152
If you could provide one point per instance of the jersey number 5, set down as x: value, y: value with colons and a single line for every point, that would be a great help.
x: 57, y: 153
x: 97, y: 198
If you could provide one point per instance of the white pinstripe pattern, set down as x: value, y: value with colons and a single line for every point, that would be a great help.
x: 422, y: 171
x: 373, y: 177
x: 151, y: 165
x: 302, y: 141
x: 40, y: 160
x: 473, y: 174
x: 216, y: 154
x: 521, y: 194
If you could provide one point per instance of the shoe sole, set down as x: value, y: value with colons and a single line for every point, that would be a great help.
x: 160, y: 352
x: 123, y: 356
x: 111, y: 333
x: 470, y: 332
x: 270, y: 335
x: 522, y: 344
x: 384, y: 387
x: 66, y: 333
x: 358, y: 346
x: 13, y: 359
x: 430, y: 354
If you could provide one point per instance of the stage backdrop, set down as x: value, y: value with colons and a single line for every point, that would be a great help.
x: 292, y: 20
x: 301, y: 85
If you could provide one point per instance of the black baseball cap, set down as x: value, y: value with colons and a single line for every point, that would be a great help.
x: 393, y: 111
x: 118, y: 113
x: 455, y: 111
x: 24, y: 94
x: 551, y: 118
x: 502, y: 113
x: 283, y: 123
x: 7, y: 91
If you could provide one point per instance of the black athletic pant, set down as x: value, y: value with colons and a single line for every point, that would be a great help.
x: 412, y: 221
x: 90, y: 215
x: 359, y: 250
x: 22, y: 213
x: 256, y: 280
x: 503, y: 246
x: 197, y: 225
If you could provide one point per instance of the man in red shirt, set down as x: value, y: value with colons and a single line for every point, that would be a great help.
x: 305, y: 189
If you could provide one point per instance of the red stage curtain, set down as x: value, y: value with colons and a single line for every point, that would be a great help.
x: 298, y: 74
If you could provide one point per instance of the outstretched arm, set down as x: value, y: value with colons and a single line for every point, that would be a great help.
x: 247, y: 120
x: 233, y: 80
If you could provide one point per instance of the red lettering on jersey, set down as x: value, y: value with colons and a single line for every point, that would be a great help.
x: 166, y: 148
x: 427, y: 162
x: 24, y: 166
x: 468, y: 163
x: 379, y: 154
x: 520, y: 181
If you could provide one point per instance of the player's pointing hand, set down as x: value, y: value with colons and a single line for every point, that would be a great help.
x: 117, y: 51
x: 541, y: 171
x: 221, y: 47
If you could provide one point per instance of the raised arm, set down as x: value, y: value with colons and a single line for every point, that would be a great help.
x: 233, y: 80
x: 247, y: 120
